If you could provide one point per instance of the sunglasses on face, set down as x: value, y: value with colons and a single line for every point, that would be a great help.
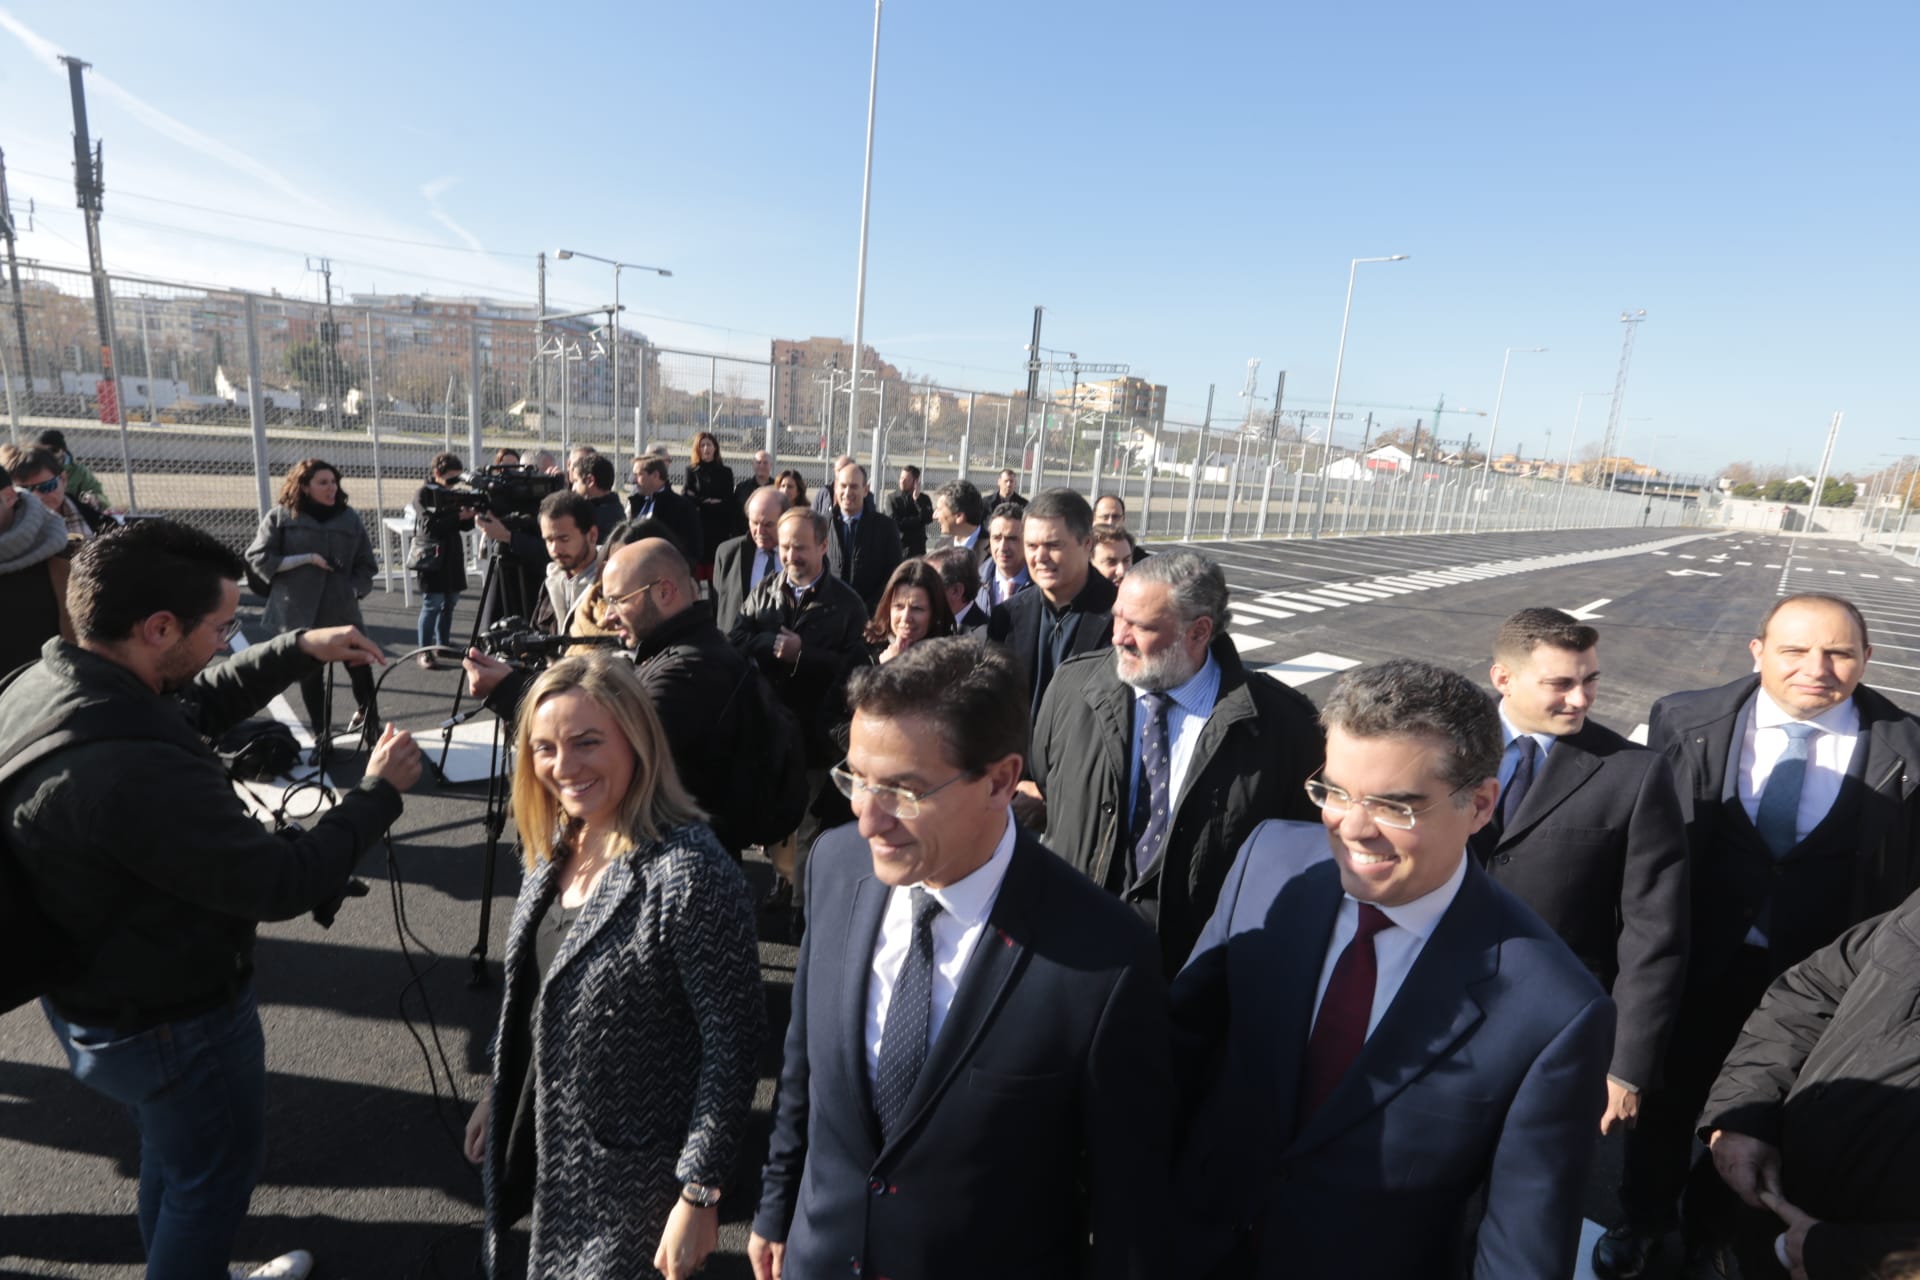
x: 45, y: 486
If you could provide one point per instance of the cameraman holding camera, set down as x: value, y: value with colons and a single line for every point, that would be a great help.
x: 438, y: 558
x: 133, y: 845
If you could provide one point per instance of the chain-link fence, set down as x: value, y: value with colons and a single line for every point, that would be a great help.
x: 219, y: 393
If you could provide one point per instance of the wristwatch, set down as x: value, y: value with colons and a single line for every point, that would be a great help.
x: 699, y: 1195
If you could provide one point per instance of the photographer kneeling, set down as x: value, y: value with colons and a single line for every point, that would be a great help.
x: 134, y: 846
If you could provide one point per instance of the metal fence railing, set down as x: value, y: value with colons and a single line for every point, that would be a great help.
x: 219, y: 392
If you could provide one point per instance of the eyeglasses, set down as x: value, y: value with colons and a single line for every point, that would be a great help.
x: 639, y: 590
x: 1391, y: 814
x: 895, y: 801
x: 45, y: 486
x: 226, y: 632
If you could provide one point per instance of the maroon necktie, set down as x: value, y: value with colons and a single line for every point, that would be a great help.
x: 1341, y: 1027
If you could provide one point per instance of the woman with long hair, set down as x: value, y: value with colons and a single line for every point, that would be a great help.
x: 912, y: 608
x: 631, y: 1015
x: 794, y: 485
x: 313, y: 553
x: 710, y: 486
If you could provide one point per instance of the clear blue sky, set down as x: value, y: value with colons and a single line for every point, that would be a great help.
x: 1181, y: 185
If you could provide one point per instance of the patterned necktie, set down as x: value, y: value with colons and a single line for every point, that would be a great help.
x: 903, y: 1043
x: 1522, y: 779
x: 1341, y: 1027
x: 847, y: 530
x: 1779, y: 814
x: 1152, y: 801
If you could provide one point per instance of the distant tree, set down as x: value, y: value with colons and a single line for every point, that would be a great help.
x: 1742, y: 472
x: 1746, y: 490
x: 1786, y: 491
x: 318, y: 367
x: 1837, y: 493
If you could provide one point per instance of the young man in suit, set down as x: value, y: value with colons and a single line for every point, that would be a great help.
x: 1393, y: 1067
x: 656, y: 500
x: 976, y: 1078
x: 1797, y: 785
x: 1588, y: 833
x: 1110, y: 512
x: 1159, y: 757
x: 863, y: 547
x: 960, y: 577
x: 743, y: 563
x: 1006, y: 567
x: 1071, y: 612
x: 960, y: 511
x: 912, y: 511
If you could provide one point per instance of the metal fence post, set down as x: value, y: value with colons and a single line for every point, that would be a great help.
x: 256, y: 409
x: 1146, y: 492
x: 373, y: 433
x: 640, y: 406
x: 966, y: 434
x: 13, y: 410
x: 773, y: 374
x: 476, y: 396
x: 879, y: 427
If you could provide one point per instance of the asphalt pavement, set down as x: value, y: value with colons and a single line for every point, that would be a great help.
x: 363, y: 1165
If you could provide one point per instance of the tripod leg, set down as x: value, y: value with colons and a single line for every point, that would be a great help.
x: 460, y: 686
x: 495, y: 819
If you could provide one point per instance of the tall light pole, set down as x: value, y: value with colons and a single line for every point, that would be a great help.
x: 618, y: 267
x: 1493, y: 433
x: 866, y: 206
x: 1566, y: 472
x: 1339, y: 363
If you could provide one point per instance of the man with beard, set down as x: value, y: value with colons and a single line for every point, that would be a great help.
x: 150, y: 874
x: 1158, y: 757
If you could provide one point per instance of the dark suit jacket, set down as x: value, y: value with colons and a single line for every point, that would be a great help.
x: 1599, y: 851
x: 1487, y: 1071
x: 831, y: 626
x: 678, y: 514
x: 913, y: 514
x: 1814, y: 899
x: 1017, y: 624
x: 973, y: 622
x: 876, y: 551
x: 1041, y: 1117
x: 733, y: 577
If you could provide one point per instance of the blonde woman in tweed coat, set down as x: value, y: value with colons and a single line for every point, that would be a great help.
x: 632, y: 1015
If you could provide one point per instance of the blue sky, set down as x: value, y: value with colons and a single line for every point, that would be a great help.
x: 1182, y: 186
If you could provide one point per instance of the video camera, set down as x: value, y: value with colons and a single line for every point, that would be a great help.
x: 503, y: 490
x: 516, y: 640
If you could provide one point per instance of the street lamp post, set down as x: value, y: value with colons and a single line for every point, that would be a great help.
x: 1339, y: 363
x: 866, y: 204
x: 1493, y: 435
x: 618, y: 267
x: 1567, y: 471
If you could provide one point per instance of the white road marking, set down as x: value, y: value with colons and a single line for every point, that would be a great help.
x: 1864, y: 575
x: 1691, y: 573
x: 1639, y: 735
x: 1260, y: 611
x: 1586, y: 611
x: 1308, y: 667
x: 1292, y: 604
x: 1245, y: 643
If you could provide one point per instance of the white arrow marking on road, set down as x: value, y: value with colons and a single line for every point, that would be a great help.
x: 1747, y: 563
x: 1586, y: 611
x: 1639, y: 736
x: 1691, y: 573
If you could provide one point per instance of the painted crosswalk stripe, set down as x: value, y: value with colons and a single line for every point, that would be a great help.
x: 1638, y: 736
x: 1291, y: 604
x: 1245, y: 643
x: 1308, y: 667
x: 1260, y: 611
x: 1347, y: 594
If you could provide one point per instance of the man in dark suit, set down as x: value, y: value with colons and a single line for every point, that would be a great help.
x: 656, y: 500
x: 1374, y: 1045
x: 1588, y: 833
x: 743, y: 563
x: 1009, y: 490
x: 1778, y: 871
x: 1006, y: 567
x: 1158, y: 758
x: 912, y: 511
x: 592, y: 476
x: 1110, y: 512
x: 761, y: 478
x: 960, y: 576
x: 960, y: 512
x: 976, y: 1079
x: 1071, y: 613
x: 863, y: 547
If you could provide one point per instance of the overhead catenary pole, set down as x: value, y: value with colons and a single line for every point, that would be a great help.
x: 1820, y: 481
x: 866, y: 207
x: 1493, y: 436
x: 1610, y: 443
x: 7, y: 232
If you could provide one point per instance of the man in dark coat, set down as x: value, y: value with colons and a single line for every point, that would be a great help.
x: 1239, y: 745
x: 33, y: 577
x: 912, y: 510
x: 1588, y: 833
x: 1777, y: 874
x: 863, y: 546
x: 976, y: 1079
x: 657, y: 500
x: 1815, y: 1119
x: 1110, y: 512
x: 593, y: 480
x: 1009, y: 490
x: 1070, y: 612
x: 743, y: 563
x: 762, y: 477
x: 960, y: 578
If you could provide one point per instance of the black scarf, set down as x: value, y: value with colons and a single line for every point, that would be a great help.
x: 308, y: 507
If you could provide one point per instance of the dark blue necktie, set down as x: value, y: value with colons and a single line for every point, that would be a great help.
x: 903, y: 1043
x: 1522, y: 779
x: 1779, y: 814
x: 1152, y: 801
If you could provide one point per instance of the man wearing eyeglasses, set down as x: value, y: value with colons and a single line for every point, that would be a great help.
x: 1393, y: 1067
x: 976, y: 1080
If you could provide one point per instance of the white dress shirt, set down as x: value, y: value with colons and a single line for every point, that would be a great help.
x: 1829, y: 753
x: 1510, y: 759
x: 1394, y: 949
x: 1186, y: 717
x: 965, y: 904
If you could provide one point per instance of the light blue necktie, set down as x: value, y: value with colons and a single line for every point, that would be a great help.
x: 1779, y: 815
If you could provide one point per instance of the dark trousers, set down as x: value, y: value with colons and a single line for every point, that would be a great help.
x: 1658, y: 1170
x: 313, y: 692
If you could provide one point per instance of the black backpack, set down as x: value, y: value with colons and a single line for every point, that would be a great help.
x: 767, y: 790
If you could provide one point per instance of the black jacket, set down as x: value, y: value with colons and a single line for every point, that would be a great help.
x: 1018, y: 624
x: 1599, y: 851
x: 709, y: 486
x: 1811, y: 900
x: 1828, y: 1071
x: 1040, y: 1121
x: 692, y: 672
x: 1258, y: 748
x: 679, y: 515
x: 876, y: 551
x: 146, y: 847
x: 913, y: 513
x: 608, y: 512
x: 831, y: 627
x: 733, y: 577
x: 444, y: 527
